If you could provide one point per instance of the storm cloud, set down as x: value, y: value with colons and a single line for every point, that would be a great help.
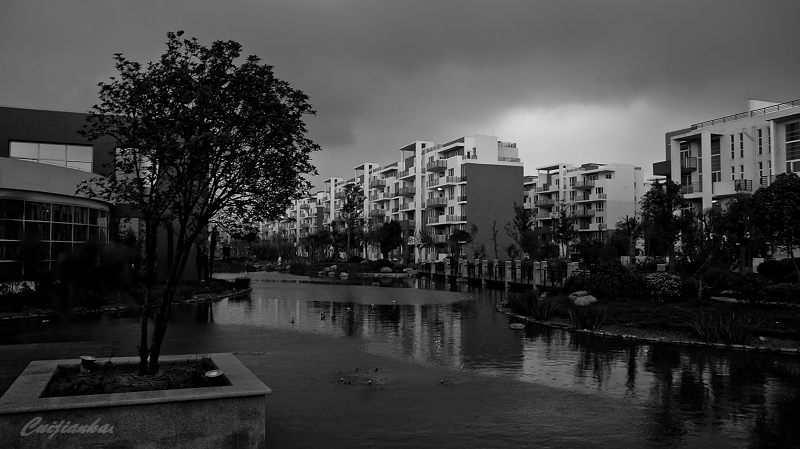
x: 570, y: 81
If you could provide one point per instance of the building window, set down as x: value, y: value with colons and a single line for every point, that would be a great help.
x: 598, y: 220
x: 608, y: 176
x: 733, y: 151
x: 598, y: 190
x: 741, y: 172
x: 600, y: 207
x: 78, y: 157
x: 760, y: 143
x: 792, y: 141
x: 741, y: 141
x: 733, y: 173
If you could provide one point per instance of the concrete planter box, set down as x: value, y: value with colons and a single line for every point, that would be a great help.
x: 230, y: 416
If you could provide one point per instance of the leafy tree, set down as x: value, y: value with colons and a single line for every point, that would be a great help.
x: 521, y: 229
x: 199, y: 134
x: 733, y: 230
x: 630, y: 228
x: 423, y: 238
x: 456, y: 240
x: 776, y: 212
x: 352, y: 210
x: 563, y: 229
x: 246, y: 232
x: 661, y: 207
x: 389, y: 237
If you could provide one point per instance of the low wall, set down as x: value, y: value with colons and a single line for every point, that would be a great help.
x: 231, y: 416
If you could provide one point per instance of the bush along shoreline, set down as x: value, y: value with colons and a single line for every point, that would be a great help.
x: 25, y: 303
x: 615, y: 301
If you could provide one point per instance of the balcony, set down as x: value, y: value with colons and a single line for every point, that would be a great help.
x: 543, y: 188
x: 407, y: 173
x: 583, y: 185
x: 377, y: 183
x: 545, y: 216
x: 688, y: 189
x: 590, y: 198
x: 407, y: 191
x: 437, y: 165
x: 462, y: 199
x: 408, y: 205
x: 450, y: 219
x: 338, y: 196
x: 377, y: 213
x: 433, y: 183
x: 743, y: 185
x: 434, y: 220
x: 395, y: 210
x: 439, y: 239
x: 508, y: 159
x: 445, y: 180
x: 583, y: 213
x: 436, y: 202
x: 688, y: 164
x: 544, y: 203
x: 407, y: 224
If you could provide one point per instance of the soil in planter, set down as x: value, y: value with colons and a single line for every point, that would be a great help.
x: 107, y: 378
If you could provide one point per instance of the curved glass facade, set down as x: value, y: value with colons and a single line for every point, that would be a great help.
x: 38, y: 233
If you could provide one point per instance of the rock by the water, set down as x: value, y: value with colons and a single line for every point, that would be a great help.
x: 386, y: 270
x: 517, y: 326
x: 578, y: 294
x: 584, y: 300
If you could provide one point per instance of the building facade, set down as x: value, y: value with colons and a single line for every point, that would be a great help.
x: 43, y: 159
x: 717, y: 159
x: 596, y: 195
x: 470, y: 183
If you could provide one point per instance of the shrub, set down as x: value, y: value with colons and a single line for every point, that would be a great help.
x: 241, y: 283
x: 663, y: 286
x: 299, y: 268
x: 576, y: 283
x: 614, y: 280
x: 530, y: 304
x: 587, y: 317
x: 771, y: 269
x: 735, y: 329
x: 355, y: 259
x: 783, y: 292
x: 752, y: 285
x: 717, y: 280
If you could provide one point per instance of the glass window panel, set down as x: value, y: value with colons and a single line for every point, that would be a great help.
x: 103, y: 235
x: 793, y: 150
x: 10, y: 230
x: 93, y: 216
x: 81, y: 215
x: 103, y: 221
x: 9, y: 250
x: 35, y: 269
x: 11, y: 209
x: 37, y: 211
x: 37, y: 230
x: 52, y: 152
x: 80, y: 233
x: 62, y: 213
x: 80, y: 153
x: 24, y: 150
x: 94, y: 233
x: 61, y: 249
x: 62, y: 232
x: 85, y: 166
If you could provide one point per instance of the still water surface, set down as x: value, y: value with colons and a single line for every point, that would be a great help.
x: 686, y: 396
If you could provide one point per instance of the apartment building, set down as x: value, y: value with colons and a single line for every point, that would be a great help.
x: 472, y: 180
x: 597, y: 195
x: 717, y: 159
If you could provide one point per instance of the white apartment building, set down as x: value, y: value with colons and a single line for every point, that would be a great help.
x: 472, y: 180
x: 597, y: 195
x: 717, y: 159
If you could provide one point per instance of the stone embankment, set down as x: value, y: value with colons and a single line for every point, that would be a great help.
x: 650, y: 337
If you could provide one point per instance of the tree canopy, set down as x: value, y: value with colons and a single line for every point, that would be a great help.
x: 200, y: 133
x: 776, y: 212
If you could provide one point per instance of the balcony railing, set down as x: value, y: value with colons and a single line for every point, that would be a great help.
x: 452, y: 179
x: 376, y: 213
x: 433, y: 220
x: 407, y: 172
x: 436, y: 202
x: 462, y: 199
x: 694, y: 187
x: 743, y: 185
x: 305, y: 206
x: 407, y: 205
x: 508, y: 159
x: 583, y: 185
x: 375, y: 183
x: 439, y: 239
x: 580, y: 213
x: 688, y: 164
x: 407, y: 191
x: 545, y: 216
x: 544, y: 203
x: 437, y: 165
x: 543, y: 188
x: 455, y: 218
x: 433, y: 183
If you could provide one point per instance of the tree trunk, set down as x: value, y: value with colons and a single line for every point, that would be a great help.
x: 165, y: 307
x: 211, y: 253
x: 151, y: 241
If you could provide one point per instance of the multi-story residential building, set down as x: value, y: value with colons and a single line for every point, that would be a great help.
x: 717, y: 159
x: 473, y: 180
x: 597, y: 195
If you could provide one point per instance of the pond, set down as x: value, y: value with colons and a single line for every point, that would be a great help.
x: 666, y: 396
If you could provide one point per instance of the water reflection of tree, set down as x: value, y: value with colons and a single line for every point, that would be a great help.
x: 596, y: 356
x: 713, y: 389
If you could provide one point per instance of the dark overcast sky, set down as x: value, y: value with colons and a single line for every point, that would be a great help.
x: 569, y: 81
